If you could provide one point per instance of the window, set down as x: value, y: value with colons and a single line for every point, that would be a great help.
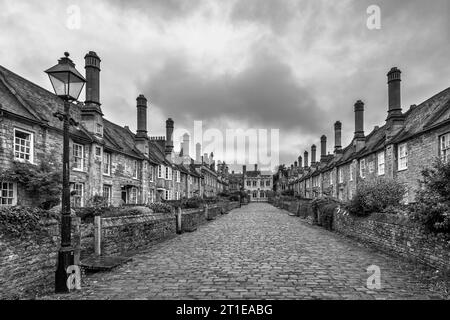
x: 352, y: 169
x: 160, y: 171
x: 341, y: 175
x: 167, y: 195
x: 78, y: 156
x: 167, y: 173
x: 371, y: 167
x: 381, y: 163
x: 445, y: 147
x: 268, y: 183
x: 99, y: 129
x: 177, y: 195
x: 255, y: 194
x: 402, y: 157
x: 152, y: 173
x: 178, y: 176
x: 249, y: 183
x: 23, y: 145
x: 8, y: 194
x: 254, y: 183
x: 78, y: 195
x: 98, y: 152
x: 107, y: 194
x: 107, y: 163
x: 135, y: 169
x: 362, y: 168
x: 133, y: 195
x: 262, y: 194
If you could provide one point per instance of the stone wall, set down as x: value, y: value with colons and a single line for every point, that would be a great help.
x: 122, y: 235
x: 28, y: 262
x: 396, y: 237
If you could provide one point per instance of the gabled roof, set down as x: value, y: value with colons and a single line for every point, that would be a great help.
x: 120, y: 139
x: 28, y: 100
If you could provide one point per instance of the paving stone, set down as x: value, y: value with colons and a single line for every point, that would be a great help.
x: 256, y: 252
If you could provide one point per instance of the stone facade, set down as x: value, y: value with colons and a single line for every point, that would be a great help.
x: 107, y: 159
x: 400, y: 150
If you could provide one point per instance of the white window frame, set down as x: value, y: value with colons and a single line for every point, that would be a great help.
x: 160, y: 171
x: 18, y: 145
x: 362, y: 168
x: 81, y: 196
x: 444, y: 147
x: 75, y: 157
x: 178, y: 176
x: 134, y: 192
x: 152, y: 173
x: 8, y: 194
x: 135, y: 169
x: 371, y: 166
x: 108, y: 195
x: 107, y: 163
x: 402, y: 157
x: 341, y: 175
x: 381, y: 163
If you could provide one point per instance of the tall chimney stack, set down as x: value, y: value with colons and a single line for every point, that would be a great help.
x: 306, y: 159
x: 92, y: 67
x: 198, y: 152
x: 313, y: 154
x: 256, y: 167
x: 323, y: 148
x: 359, y: 120
x: 396, y: 118
x: 338, y: 137
x: 359, y: 139
x: 394, y: 92
x: 141, y: 116
x: 300, y: 161
x: 169, y: 136
x: 186, y: 145
x: 295, y: 164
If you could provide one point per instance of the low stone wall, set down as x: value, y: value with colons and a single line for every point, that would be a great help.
x: 400, y: 238
x: 86, y: 239
x: 191, y: 219
x: 122, y: 235
x: 28, y: 262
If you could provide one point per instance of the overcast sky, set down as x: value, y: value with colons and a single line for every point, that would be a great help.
x: 292, y: 65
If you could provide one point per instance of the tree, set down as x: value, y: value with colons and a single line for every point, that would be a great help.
x: 433, y: 200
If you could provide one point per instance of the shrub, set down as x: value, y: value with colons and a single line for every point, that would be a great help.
x: 193, y: 203
x: 376, y: 196
x: 42, y: 181
x: 288, y: 193
x: 19, y: 220
x: 323, y: 210
x: 432, y: 209
x: 160, y: 207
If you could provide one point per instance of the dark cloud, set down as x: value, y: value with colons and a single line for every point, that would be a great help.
x: 275, y: 14
x: 264, y: 95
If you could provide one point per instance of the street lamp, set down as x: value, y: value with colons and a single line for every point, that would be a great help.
x: 67, y: 83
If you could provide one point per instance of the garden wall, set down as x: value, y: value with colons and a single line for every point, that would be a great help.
x: 28, y: 261
x: 122, y: 235
x: 399, y: 238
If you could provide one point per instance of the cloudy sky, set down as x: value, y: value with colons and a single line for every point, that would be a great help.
x: 293, y: 65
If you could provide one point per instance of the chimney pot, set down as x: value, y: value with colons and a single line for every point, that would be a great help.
x: 306, y: 159
x: 323, y: 148
x: 337, y: 137
x: 141, y: 116
x: 359, y: 120
x: 92, y: 67
x: 394, y: 93
x: 313, y: 154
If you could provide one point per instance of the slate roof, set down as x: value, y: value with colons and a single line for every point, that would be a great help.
x: 28, y: 100
x: 418, y: 119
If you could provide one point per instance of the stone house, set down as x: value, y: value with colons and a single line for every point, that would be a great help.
x: 400, y: 149
x: 106, y: 159
x: 257, y: 183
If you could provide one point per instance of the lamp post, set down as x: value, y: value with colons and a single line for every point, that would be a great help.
x: 67, y: 83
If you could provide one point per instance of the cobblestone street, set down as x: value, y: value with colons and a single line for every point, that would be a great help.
x: 257, y: 252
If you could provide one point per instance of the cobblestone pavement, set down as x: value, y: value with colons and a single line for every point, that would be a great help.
x: 256, y: 252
